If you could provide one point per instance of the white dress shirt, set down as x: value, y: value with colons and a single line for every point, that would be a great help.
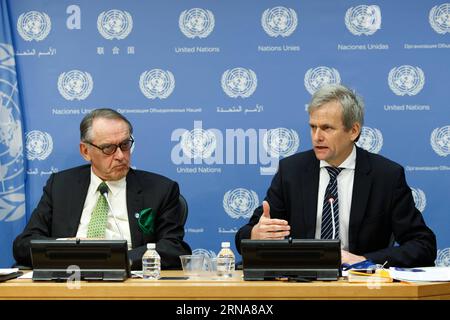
x: 117, y: 199
x: 345, y: 190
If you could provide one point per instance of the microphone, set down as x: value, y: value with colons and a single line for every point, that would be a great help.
x: 104, y: 192
x: 331, y: 201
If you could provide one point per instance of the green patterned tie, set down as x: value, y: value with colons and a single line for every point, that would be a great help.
x: 97, y: 224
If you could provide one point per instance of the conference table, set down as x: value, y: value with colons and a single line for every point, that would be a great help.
x: 209, y: 288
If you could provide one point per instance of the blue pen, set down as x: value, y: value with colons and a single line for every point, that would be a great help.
x: 409, y: 270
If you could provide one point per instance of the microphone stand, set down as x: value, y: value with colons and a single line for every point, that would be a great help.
x: 104, y: 192
x: 331, y: 201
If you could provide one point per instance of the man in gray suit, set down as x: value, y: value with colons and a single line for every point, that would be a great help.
x: 70, y: 196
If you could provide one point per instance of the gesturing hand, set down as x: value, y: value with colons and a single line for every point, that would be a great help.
x: 268, y: 228
x: 351, y: 258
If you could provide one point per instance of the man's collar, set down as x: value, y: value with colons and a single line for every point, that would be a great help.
x: 113, y: 186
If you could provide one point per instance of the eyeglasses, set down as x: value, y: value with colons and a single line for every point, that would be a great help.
x: 110, y: 149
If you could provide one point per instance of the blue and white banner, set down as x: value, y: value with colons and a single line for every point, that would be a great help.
x: 12, y: 170
x: 217, y: 92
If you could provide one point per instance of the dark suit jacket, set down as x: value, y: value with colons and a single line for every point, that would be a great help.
x: 382, y: 205
x: 59, y: 211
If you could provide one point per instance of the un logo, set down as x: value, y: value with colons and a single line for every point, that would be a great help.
x: 75, y: 85
x: 406, y: 80
x: 39, y: 145
x: 370, y: 140
x: 114, y: 24
x: 363, y: 19
x: 439, y: 18
x: 157, y: 83
x: 240, y: 203
x: 196, y: 22
x: 281, y: 142
x: 419, y: 199
x: 318, y: 77
x: 440, y: 141
x: 443, y: 258
x: 239, y: 82
x: 203, y: 252
x: 279, y: 21
x: 7, y: 60
x: 34, y: 25
x: 198, y: 143
x: 12, y: 172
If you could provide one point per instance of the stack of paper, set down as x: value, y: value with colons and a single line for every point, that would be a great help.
x: 421, y: 274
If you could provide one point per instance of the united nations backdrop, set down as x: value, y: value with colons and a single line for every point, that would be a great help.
x: 217, y: 92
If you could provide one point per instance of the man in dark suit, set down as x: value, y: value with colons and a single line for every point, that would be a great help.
x: 70, y: 196
x: 361, y: 198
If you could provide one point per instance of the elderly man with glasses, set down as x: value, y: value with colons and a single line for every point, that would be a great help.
x: 106, y: 198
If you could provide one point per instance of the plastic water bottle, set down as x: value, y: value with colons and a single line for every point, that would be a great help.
x: 151, y: 263
x: 224, y: 269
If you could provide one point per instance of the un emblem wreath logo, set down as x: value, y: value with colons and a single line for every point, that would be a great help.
x: 7, y: 62
x: 318, y: 77
x: 370, y: 140
x: 39, y: 145
x: 198, y: 143
x: 363, y: 19
x: 281, y: 142
x: 440, y: 141
x: 419, y: 199
x: 279, y: 21
x: 443, y: 258
x: 34, y: 25
x: 239, y: 82
x: 406, y: 80
x: 157, y: 83
x: 439, y: 18
x: 203, y: 252
x: 196, y: 22
x: 75, y: 85
x: 12, y: 195
x: 240, y: 203
x: 114, y: 24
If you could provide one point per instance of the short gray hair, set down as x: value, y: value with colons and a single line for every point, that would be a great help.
x: 352, y: 104
x: 86, y: 123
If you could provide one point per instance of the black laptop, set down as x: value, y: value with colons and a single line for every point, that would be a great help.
x: 300, y: 259
x: 61, y: 260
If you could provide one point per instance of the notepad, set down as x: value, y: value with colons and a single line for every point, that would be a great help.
x: 377, y: 275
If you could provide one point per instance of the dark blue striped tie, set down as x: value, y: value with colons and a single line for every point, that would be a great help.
x: 327, y: 217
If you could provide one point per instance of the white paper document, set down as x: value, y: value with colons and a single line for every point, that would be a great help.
x: 27, y: 275
x: 421, y: 274
x: 6, y: 271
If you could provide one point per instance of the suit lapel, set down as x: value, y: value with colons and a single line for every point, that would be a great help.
x: 361, y: 190
x: 135, y: 203
x: 310, y: 185
x: 77, y: 196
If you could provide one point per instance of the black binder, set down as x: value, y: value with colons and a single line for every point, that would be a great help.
x: 9, y: 276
